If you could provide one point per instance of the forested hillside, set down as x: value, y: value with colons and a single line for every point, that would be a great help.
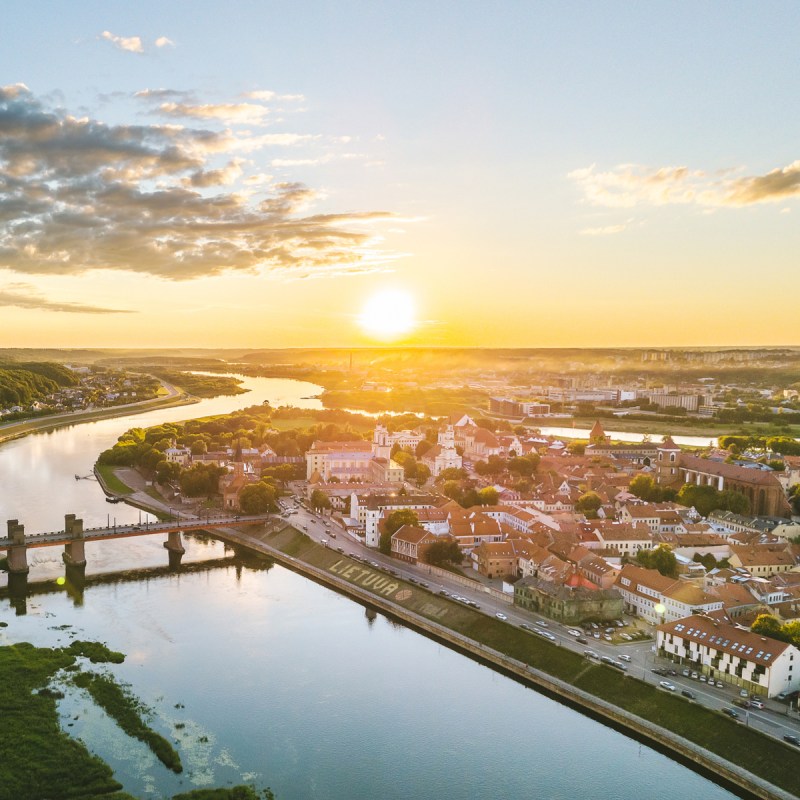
x: 24, y: 383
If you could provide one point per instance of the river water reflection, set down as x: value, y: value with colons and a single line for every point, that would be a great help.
x: 284, y: 683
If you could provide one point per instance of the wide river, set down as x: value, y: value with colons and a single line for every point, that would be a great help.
x: 280, y: 682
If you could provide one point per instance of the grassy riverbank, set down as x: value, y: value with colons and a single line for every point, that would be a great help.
x: 110, y: 480
x: 755, y: 752
x: 701, y: 428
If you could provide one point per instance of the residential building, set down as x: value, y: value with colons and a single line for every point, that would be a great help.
x: 731, y: 654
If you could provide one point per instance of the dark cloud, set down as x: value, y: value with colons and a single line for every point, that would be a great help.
x: 21, y: 296
x: 779, y: 184
x: 77, y: 194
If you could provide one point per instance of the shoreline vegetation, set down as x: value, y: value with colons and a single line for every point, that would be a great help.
x: 39, y: 759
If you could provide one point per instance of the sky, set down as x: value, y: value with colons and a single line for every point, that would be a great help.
x: 532, y: 174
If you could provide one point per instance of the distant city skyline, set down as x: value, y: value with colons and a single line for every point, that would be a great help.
x: 340, y: 175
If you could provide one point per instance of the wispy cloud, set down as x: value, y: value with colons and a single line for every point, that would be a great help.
x: 133, y: 44
x: 78, y: 194
x: 163, y: 41
x: 230, y: 113
x: 21, y: 295
x: 607, y: 230
x: 269, y: 96
x: 629, y: 185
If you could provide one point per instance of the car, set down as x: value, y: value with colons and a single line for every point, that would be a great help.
x: 687, y: 693
x: 658, y: 671
x: 392, y: 572
x: 500, y: 615
x: 609, y: 630
x: 703, y: 679
x: 756, y: 703
x: 741, y: 703
x: 607, y: 659
x: 423, y: 584
x: 781, y: 695
x: 619, y: 623
x: 607, y: 637
x: 474, y: 605
x: 540, y: 623
x: 792, y: 739
x: 333, y: 535
x: 596, y: 634
x: 591, y: 654
x: 525, y: 626
x: 595, y: 625
x: 720, y: 685
x: 731, y: 712
x: 573, y: 632
x: 340, y: 549
x: 744, y: 693
x: 672, y: 672
x: 694, y: 675
x: 581, y: 640
x: 686, y: 673
x: 444, y: 593
x: 670, y: 687
x: 627, y: 637
x: 625, y: 657
x: 619, y: 665
x: 324, y: 541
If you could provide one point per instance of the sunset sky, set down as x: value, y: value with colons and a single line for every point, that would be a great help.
x: 255, y: 174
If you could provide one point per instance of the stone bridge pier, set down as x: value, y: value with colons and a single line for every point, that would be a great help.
x: 17, y: 555
x: 175, y: 548
x: 74, y: 554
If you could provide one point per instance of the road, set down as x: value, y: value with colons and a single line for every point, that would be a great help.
x: 773, y: 720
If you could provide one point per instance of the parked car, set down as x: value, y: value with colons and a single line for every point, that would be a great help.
x: 687, y: 693
x: 686, y: 673
x: 792, y: 739
x: 500, y: 615
x: 540, y: 623
x: 744, y: 693
x: 573, y: 632
x: 624, y: 657
x: 581, y: 640
x: 756, y: 703
x: 670, y: 687
x: 731, y: 712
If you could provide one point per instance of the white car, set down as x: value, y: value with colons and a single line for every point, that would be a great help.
x: 624, y: 657
x: 573, y: 632
x: 670, y: 687
x: 501, y: 616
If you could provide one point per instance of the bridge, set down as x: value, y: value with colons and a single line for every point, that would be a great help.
x: 74, y: 537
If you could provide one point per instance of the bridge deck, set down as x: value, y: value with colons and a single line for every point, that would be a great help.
x: 54, y: 538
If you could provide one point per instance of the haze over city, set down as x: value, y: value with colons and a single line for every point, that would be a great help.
x: 336, y: 174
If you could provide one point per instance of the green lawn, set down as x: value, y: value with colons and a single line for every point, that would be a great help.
x: 112, y: 482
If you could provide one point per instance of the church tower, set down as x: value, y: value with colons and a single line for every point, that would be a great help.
x: 381, y: 444
x: 668, y: 462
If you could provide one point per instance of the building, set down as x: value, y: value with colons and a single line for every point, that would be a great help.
x: 354, y: 461
x: 443, y: 455
x: 761, y: 487
x: 731, y: 654
x: 410, y: 543
x: 570, y: 605
x: 657, y: 598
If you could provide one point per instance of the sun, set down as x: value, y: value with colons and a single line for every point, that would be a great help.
x: 388, y: 314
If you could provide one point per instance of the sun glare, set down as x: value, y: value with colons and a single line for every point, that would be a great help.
x: 388, y: 314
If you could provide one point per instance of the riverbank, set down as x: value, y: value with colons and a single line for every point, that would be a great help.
x: 711, y: 743
x: 16, y: 430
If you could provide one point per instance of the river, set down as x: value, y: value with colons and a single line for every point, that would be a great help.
x: 282, y: 682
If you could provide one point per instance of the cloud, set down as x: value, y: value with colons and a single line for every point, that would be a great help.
x: 163, y: 94
x: 231, y: 113
x: 77, y: 194
x: 133, y: 44
x: 629, y: 185
x: 22, y: 296
x: 268, y: 96
x: 163, y: 41
x: 607, y: 230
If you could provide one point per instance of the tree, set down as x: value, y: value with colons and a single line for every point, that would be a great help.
x: 319, y: 499
x: 407, y: 462
x: 452, y: 474
x: 588, y: 504
x: 422, y: 448
x: 523, y: 465
x: 577, y: 448
x: 201, y: 479
x: 488, y: 496
x: 393, y: 523
x: 258, y: 498
x: 444, y: 551
x: 767, y: 625
x: 645, y: 488
x: 423, y: 473
x: 662, y: 559
x: 452, y: 489
x: 167, y: 471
